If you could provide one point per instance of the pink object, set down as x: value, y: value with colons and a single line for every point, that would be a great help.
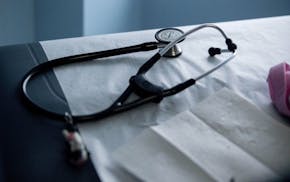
x: 279, y: 86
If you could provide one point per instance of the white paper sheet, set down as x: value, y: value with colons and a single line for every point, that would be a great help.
x: 151, y: 158
x: 247, y: 126
x: 200, y: 144
x: 262, y: 43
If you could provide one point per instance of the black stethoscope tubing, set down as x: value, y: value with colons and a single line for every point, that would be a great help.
x: 139, y: 85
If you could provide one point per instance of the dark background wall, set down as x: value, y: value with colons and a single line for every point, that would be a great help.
x: 30, y: 20
x: 162, y: 13
x: 16, y: 21
x: 109, y: 16
x: 56, y: 19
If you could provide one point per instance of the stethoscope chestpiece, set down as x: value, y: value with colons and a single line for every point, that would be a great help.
x: 165, y: 36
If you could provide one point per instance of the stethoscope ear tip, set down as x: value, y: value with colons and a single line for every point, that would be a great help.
x: 214, y: 51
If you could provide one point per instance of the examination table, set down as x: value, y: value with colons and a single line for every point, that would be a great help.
x: 32, y: 146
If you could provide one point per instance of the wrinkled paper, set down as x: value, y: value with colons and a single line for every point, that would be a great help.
x: 197, y: 144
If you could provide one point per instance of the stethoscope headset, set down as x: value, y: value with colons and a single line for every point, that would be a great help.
x: 138, y: 83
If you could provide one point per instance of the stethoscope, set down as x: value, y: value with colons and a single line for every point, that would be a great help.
x: 167, y: 44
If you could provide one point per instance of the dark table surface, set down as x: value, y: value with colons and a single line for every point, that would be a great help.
x: 32, y: 146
